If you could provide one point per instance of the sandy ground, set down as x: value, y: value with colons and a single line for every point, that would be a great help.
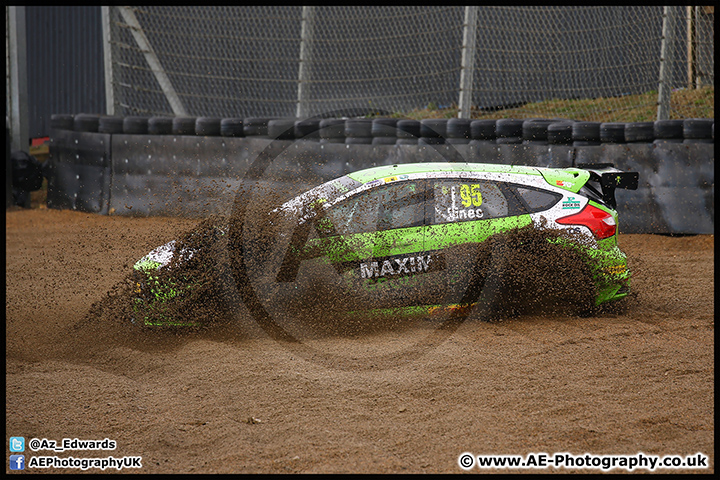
x: 233, y: 400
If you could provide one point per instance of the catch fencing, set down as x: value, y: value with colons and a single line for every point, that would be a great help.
x: 295, y: 61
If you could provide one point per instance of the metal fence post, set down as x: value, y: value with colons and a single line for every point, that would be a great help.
x: 107, y: 60
x: 306, y: 46
x: 666, y: 58
x: 467, y: 66
x: 17, y: 78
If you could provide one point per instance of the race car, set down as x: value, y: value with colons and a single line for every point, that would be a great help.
x: 412, y: 236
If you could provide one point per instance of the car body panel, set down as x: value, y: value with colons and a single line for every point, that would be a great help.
x: 388, y: 231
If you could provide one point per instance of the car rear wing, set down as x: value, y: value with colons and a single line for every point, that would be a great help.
x: 609, y: 178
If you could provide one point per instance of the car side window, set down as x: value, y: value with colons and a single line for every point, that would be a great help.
x: 402, y: 205
x: 395, y: 205
x: 462, y: 200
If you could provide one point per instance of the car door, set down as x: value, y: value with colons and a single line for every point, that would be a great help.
x: 465, y: 212
x: 375, y: 242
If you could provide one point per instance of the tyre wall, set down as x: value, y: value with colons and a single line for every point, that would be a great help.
x: 123, y: 167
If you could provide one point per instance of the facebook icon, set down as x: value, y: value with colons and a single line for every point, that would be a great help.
x: 17, y: 462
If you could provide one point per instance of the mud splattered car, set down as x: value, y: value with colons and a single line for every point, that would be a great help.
x: 410, y: 235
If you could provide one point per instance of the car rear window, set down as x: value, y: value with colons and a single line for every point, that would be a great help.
x: 537, y: 200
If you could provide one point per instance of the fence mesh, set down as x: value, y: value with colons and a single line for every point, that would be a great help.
x: 286, y: 61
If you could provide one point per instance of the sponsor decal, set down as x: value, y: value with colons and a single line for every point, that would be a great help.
x: 395, y: 178
x: 341, y: 188
x: 570, y: 204
x: 563, y: 183
x: 401, y: 266
x: 454, y: 215
x: 615, y: 270
x: 470, y: 195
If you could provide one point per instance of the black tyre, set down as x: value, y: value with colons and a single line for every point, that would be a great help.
x: 458, y: 141
x: 586, y: 133
x: 408, y: 129
x: 160, y: 125
x: 560, y: 133
x: 207, y: 126
x: 384, y: 140
x: 183, y: 126
x: 332, y: 130
x: 612, y: 132
x: 358, y: 128
x: 458, y: 128
x: 85, y: 122
x: 483, y: 130
x: 423, y: 141
x: 384, y: 128
x: 698, y: 128
x: 282, y: 128
x: 135, y: 125
x: 109, y: 124
x: 232, y: 127
x: 307, y: 129
x: 535, y: 131
x: 508, y: 128
x: 639, y: 132
x: 668, y: 130
x: 358, y: 140
x: 481, y: 142
x: 256, y: 126
x: 433, y: 128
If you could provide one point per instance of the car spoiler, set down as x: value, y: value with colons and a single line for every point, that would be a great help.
x: 609, y: 179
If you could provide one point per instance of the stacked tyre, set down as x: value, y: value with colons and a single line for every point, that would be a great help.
x: 393, y: 131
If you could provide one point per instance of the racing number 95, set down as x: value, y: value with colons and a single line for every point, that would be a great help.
x: 470, y: 195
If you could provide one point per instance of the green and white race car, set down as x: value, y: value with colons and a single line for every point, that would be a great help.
x: 411, y: 236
